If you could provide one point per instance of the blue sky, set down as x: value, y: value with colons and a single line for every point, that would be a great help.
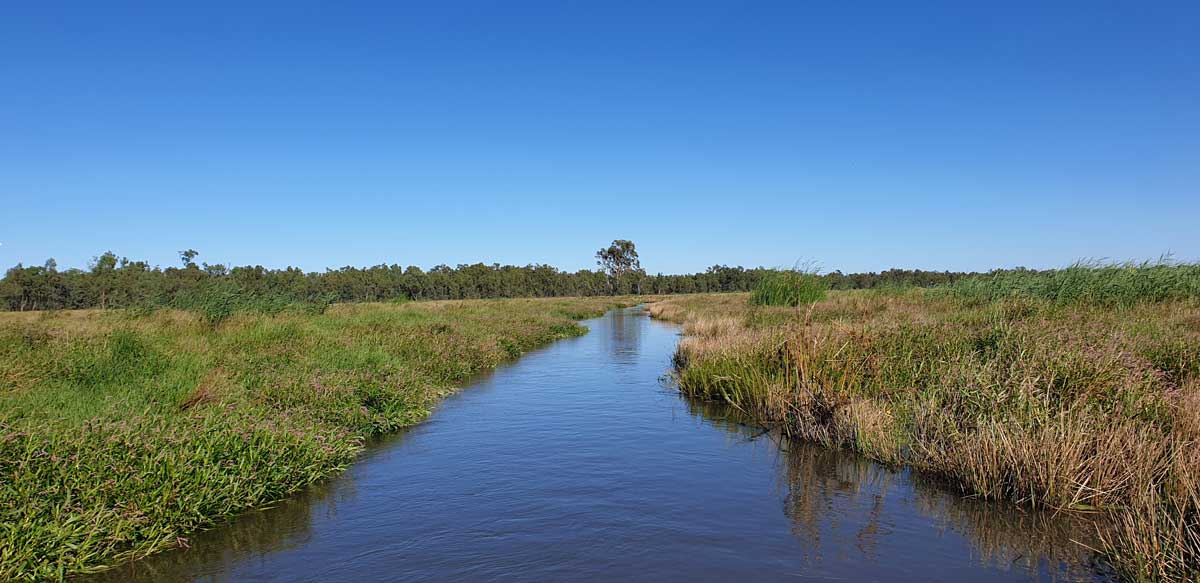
x: 939, y: 135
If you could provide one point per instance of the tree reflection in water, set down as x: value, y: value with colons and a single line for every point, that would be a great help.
x: 839, y: 501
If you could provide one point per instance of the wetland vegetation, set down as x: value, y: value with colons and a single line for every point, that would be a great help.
x: 123, y: 431
x: 1076, y: 390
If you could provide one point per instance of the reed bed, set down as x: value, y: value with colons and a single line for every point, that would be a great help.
x: 1079, y: 405
x: 789, y: 287
x: 121, y: 432
x: 1096, y: 282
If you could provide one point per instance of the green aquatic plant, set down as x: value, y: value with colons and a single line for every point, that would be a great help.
x: 789, y: 287
x: 1094, y: 282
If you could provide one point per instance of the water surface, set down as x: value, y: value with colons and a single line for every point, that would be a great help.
x: 580, y: 463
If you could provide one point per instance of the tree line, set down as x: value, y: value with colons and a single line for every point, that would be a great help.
x: 110, y: 281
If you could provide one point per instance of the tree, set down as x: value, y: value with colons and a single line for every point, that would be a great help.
x: 188, y: 257
x: 619, y: 259
x: 104, y: 269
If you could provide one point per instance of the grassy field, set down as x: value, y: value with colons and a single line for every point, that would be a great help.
x: 1015, y: 389
x: 123, y: 432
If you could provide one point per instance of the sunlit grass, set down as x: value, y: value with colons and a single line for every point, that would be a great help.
x: 1114, y: 284
x: 789, y: 287
x: 121, y: 433
x: 1072, y: 401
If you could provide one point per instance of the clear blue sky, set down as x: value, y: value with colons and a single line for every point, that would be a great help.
x: 941, y: 135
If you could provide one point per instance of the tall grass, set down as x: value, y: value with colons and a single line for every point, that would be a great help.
x: 123, y: 432
x: 217, y: 299
x: 1069, y: 405
x: 1114, y: 284
x: 789, y: 287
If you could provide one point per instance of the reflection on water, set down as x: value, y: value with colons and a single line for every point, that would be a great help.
x: 577, y: 464
x: 840, y: 502
x: 256, y: 533
x: 275, y: 529
x: 825, y: 482
x: 624, y: 338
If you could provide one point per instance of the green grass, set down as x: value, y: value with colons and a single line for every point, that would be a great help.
x: 791, y: 287
x: 217, y: 299
x: 123, y: 432
x: 1112, y: 284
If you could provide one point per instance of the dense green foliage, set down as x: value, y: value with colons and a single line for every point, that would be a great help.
x: 122, y: 432
x: 892, y: 278
x: 112, y: 282
x: 789, y: 288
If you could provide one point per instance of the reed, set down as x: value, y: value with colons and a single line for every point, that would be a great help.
x: 789, y: 287
x: 1095, y: 282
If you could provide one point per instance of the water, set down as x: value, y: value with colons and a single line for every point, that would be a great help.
x: 580, y: 463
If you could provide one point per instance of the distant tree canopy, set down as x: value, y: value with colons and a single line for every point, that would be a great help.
x: 111, y: 281
x: 188, y: 257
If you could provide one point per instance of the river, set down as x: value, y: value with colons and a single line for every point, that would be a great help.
x: 579, y: 462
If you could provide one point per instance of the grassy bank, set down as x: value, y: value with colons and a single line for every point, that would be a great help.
x: 121, y: 433
x: 1007, y: 391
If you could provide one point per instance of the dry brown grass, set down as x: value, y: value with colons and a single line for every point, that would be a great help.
x: 1070, y: 407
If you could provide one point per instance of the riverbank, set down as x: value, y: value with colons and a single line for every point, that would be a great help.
x: 1069, y: 406
x: 121, y: 432
x: 567, y: 466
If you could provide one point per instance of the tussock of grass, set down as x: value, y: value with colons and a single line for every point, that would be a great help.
x: 1050, y: 403
x: 788, y: 288
x: 122, y: 432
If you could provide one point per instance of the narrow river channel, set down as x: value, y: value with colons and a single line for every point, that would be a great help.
x: 579, y: 462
